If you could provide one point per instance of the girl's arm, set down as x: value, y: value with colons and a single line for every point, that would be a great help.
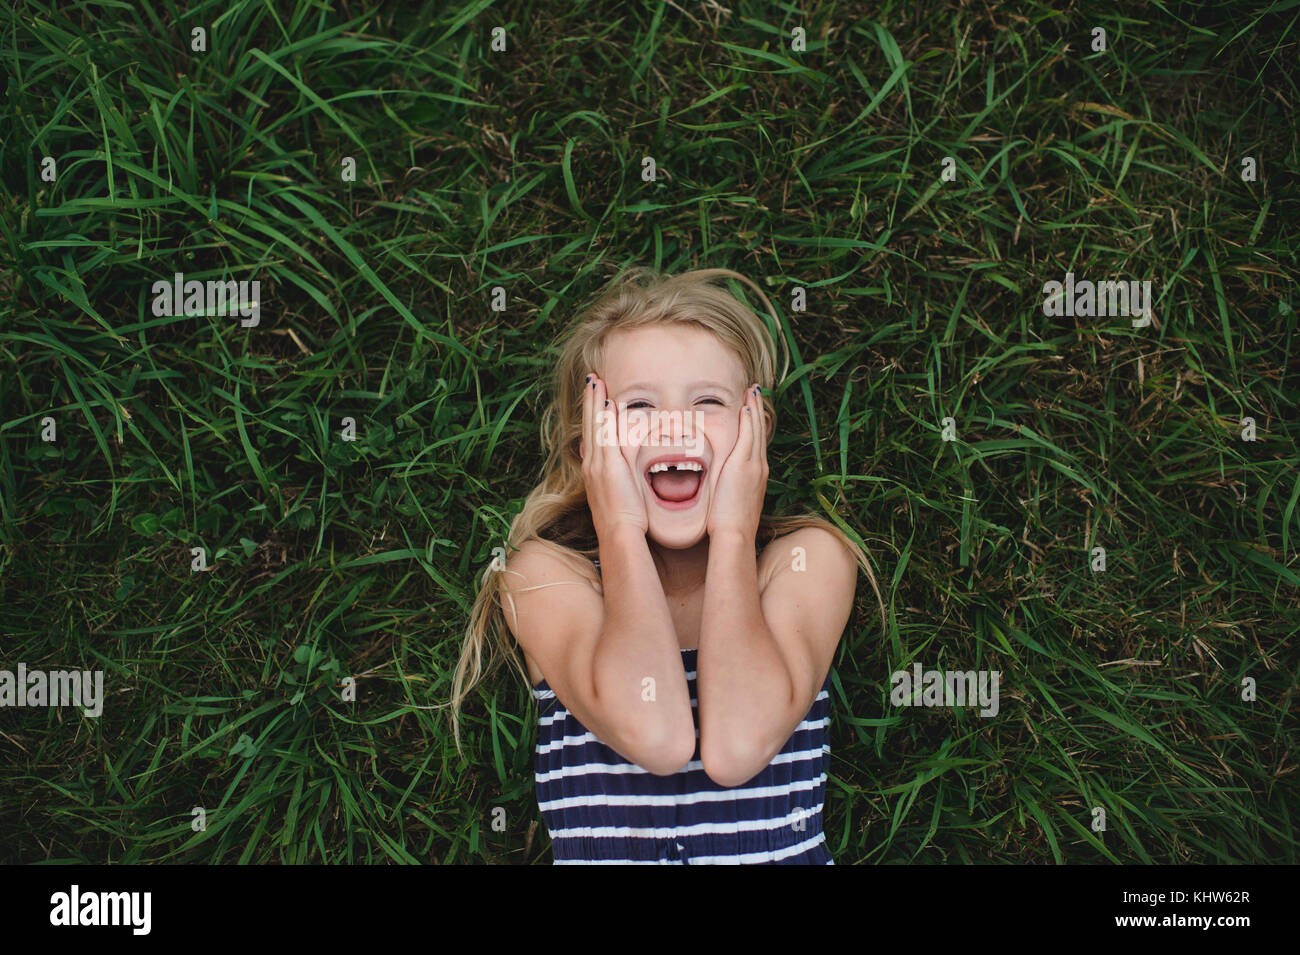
x: 615, y: 664
x: 595, y: 653
x: 763, y: 660
x: 639, y: 681
x: 637, y: 676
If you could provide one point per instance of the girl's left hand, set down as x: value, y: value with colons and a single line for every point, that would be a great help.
x: 742, y: 483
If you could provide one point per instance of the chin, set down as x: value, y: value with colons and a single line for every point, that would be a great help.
x: 677, y: 538
x: 679, y: 529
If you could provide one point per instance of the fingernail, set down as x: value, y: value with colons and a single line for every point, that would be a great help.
x: 593, y: 386
x: 606, y: 402
x: 589, y: 379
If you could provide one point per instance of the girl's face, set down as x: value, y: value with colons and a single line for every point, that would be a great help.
x: 684, y: 391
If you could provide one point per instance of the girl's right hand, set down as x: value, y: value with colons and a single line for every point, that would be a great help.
x: 612, y: 492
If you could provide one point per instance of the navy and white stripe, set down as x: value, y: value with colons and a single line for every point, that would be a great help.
x: 600, y: 808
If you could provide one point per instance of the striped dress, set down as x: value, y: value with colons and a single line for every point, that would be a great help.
x: 599, y: 808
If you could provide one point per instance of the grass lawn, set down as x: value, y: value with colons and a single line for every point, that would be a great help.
x: 920, y: 171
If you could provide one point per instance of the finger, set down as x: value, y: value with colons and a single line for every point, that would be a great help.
x: 588, y: 419
x: 597, y: 420
x: 753, y: 414
x: 604, y: 408
x: 746, y: 424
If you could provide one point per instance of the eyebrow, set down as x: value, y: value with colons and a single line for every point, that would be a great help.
x: 644, y: 386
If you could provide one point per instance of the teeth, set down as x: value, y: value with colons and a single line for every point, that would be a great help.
x: 680, y: 465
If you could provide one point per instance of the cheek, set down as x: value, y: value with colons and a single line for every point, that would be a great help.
x: 722, y: 436
x: 629, y: 455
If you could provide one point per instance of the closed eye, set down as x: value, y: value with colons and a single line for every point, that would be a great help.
x: 639, y: 403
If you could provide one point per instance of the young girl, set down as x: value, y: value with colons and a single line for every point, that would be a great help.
x: 680, y: 668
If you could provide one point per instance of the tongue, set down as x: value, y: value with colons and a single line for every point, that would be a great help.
x: 675, y: 485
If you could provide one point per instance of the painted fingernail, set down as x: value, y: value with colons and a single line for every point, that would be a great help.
x: 606, y: 402
x: 593, y: 386
x: 589, y: 379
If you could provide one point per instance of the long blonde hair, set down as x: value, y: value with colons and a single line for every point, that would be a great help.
x: 556, y: 511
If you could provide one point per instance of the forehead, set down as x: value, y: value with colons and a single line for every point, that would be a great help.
x: 669, y: 353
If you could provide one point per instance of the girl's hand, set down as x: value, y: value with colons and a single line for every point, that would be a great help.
x: 742, y: 484
x: 612, y: 492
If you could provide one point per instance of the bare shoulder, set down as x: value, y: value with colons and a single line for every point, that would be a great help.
x: 540, y: 562
x: 812, y: 556
x: 550, y: 599
x: 807, y: 602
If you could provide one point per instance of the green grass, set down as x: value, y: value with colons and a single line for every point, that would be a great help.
x: 522, y: 170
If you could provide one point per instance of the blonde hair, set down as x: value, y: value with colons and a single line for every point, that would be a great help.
x: 555, y: 513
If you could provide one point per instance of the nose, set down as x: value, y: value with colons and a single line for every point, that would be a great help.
x: 667, y: 425
x: 675, y: 428
x: 693, y: 431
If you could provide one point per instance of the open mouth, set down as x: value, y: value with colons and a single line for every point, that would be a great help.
x: 676, y: 482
